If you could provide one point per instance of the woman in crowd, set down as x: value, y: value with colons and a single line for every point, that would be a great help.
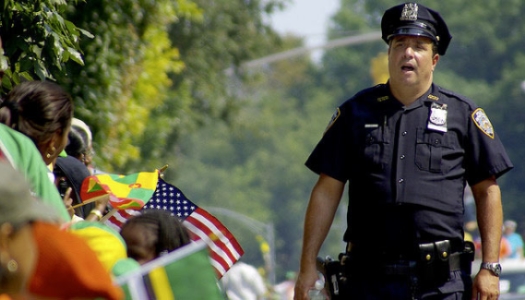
x: 42, y: 110
x: 76, y: 146
x: 69, y: 174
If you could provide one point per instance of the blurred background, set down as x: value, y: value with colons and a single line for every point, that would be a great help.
x: 233, y: 95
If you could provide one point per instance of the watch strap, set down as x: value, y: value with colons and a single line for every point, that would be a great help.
x: 495, y: 268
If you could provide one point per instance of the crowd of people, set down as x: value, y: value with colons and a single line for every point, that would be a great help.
x: 45, y: 155
x: 511, y: 243
x: 48, y: 237
x: 407, y: 148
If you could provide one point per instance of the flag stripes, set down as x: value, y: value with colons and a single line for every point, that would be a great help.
x: 224, y: 248
x: 205, y: 227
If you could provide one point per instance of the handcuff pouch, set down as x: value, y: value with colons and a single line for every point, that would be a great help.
x: 433, y: 263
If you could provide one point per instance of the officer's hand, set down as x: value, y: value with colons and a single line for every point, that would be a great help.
x: 486, y: 286
x: 305, y: 281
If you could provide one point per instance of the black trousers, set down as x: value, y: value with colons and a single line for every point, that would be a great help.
x: 379, y: 287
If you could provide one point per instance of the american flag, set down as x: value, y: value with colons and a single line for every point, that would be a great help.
x: 224, y: 248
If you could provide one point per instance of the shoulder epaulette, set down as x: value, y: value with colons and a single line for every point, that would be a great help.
x: 448, y: 92
x: 455, y: 95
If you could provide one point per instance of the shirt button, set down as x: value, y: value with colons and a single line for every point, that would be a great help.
x: 404, y: 133
x: 401, y: 180
x: 402, y: 157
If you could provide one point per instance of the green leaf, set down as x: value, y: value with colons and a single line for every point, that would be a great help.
x: 25, y: 65
x: 40, y: 70
x: 75, y: 55
x: 71, y: 27
x: 37, y: 51
x: 86, y: 33
x: 26, y: 75
x: 7, y: 85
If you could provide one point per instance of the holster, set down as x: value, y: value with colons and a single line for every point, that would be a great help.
x: 336, y: 277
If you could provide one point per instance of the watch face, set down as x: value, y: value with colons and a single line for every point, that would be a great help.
x: 497, y: 268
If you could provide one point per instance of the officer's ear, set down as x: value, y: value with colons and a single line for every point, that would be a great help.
x: 435, y: 60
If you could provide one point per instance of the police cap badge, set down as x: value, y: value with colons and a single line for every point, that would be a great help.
x: 417, y: 20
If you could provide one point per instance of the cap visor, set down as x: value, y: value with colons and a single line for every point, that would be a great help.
x: 412, y: 31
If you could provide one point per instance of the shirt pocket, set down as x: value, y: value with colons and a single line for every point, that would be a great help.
x: 431, y: 147
x: 376, y: 142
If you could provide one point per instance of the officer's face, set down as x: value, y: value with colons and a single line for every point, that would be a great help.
x: 411, y: 62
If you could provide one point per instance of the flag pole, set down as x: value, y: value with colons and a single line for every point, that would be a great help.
x: 163, y: 168
x: 108, y: 215
x: 90, y: 201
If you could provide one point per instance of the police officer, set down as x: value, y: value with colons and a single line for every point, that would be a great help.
x: 407, y: 149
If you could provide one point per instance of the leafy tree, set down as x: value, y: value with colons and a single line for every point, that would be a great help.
x: 37, y: 40
x: 507, y: 115
x: 125, y: 75
x: 154, y: 71
x: 347, y: 69
x: 254, y: 163
x: 227, y: 34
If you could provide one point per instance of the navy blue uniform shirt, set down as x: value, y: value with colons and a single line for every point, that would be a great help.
x: 407, y: 166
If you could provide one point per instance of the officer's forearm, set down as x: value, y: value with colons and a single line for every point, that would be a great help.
x: 490, y: 217
x: 320, y: 213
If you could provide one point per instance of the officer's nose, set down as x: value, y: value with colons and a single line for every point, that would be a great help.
x: 409, y: 52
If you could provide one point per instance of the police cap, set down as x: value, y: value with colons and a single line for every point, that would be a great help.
x: 417, y: 20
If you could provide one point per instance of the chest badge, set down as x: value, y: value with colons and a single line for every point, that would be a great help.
x: 482, y: 122
x: 438, y: 117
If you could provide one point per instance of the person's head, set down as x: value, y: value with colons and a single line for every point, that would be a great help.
x: 416, y: 36
x: 152, y: 234
x: 70, y: 173
x: 509, y: 226
x: 42, y: 110
x: 76, y: 146
x: 18, y: 209
x: 85, y: 132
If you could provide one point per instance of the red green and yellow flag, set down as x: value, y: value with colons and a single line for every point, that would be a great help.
x: 124, y: 191
x: 185, y: 273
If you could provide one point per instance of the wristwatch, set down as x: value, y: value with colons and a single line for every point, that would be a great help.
x: 495, y: 268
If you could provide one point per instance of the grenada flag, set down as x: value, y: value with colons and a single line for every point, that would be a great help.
x: 185, y: 273
x: 124, y: 191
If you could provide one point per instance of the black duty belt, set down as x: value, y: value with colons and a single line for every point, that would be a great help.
x: 440, y: 256
x: 410, y: 267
